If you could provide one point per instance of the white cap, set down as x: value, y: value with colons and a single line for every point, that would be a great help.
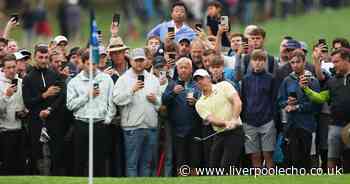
x: 60, y: 38
x: 200, y: 73
x: 19, y: 55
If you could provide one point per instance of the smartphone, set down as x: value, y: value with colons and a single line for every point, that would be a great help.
x: 293, y: 94
x: 141, y: 78
x: 224, y: 20
x: 15, y: 17
x: 198, y: 27
x: 171, y: 29
x: 172, y: 56
x: 14, y: 82
x: 59, y: 83
x: 116, y: 18
x: 96, y: 86
x: 182, y: 83
x: 244, y: 40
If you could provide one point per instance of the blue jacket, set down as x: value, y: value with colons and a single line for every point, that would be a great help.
x: 182, y: 117
x: 162, y: 29
x: 304, y: 117
x: 257, y: 98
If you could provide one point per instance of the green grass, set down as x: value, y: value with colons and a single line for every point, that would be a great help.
x: 344, y: 179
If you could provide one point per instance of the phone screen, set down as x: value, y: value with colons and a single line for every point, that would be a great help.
x: 116, y: 18
x: 141, y: 78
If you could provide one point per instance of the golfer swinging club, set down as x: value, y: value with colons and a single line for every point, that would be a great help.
x: 220, y: 105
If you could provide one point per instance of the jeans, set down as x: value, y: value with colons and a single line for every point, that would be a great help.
x: 140, y: 146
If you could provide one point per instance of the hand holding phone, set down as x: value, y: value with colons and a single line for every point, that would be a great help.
x: 14, y: 17
x: 199, y: 27
x: 171, y: 33
x: 224, y: 20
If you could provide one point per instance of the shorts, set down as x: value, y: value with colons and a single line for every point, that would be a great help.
x: 335, y: 143
x: 262, y: 138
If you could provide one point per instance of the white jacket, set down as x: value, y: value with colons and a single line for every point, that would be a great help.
x: 10, y: 105
x: 136, y: 110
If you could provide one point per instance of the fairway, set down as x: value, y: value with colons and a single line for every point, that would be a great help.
x: 344, y: 179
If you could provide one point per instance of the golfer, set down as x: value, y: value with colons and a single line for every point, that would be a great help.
x: 220, y: 105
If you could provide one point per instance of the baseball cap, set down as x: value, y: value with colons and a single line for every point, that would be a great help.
x: 292, y: 44
x: 138, y: 53
x: 184, y: 38
x: 19, y: 55
x: 25, y: 52
x: 60, y: 38
x: 200, y: 73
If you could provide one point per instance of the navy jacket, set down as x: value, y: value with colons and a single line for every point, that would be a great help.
x: 258, y: 98
x: 304, y: 117
x: 182, y: 117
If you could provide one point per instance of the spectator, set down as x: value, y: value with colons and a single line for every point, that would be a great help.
x: 213, y: 21
x: 340, y: 42
x: 100, y: 108
x: 44, y: 98
x: 21, y: 64
x: 3, y: 49
x: 220, y: 73
x: 300, y: 112
x: 235, y: 43
x: 228, y: 145
x: 117, y: 51
x: 119, y: 61
x: 180, y: 97
x: 138, y: 94
x: 178, y: 15
x: 61, y: 44
x: 197, y: 50
x: 256, y: 40
x: 12, y: 111
x: 258, y: 111
x: 153, y: 44
x: 184, y: 47
x: 283, y: 58
x: 12, y: 46
x: 336, y: 93
x: 74, y: 61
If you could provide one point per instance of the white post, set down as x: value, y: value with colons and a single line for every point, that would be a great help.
x: 91, y: 133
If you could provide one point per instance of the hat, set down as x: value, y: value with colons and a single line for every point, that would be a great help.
x: 116, y: 44
x: 184, y: 38
x: 138, y: 53
x: 159, y: 62
x: 25, y: 52
x: 60, y: 38
x: 200, y: 73
x: 292, y: 44
x: 303, y: 46
x: 102, y: 50
x: 19, y: 55
x: 345, y: 134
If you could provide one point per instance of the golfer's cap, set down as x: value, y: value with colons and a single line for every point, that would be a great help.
x: 200, y: 73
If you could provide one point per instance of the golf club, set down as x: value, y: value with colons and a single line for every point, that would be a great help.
x: 198, y: 139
